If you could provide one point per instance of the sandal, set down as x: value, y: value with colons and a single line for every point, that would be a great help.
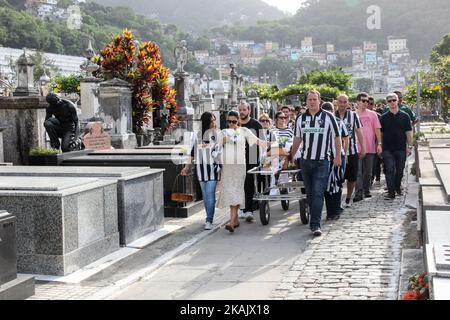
x: 229, y: 228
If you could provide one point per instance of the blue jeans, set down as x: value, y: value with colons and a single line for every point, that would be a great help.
x: 209, y: 198
x: 394, y: 165
x: 315, y: 177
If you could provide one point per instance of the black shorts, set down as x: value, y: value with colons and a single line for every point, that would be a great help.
x: 351, y: 171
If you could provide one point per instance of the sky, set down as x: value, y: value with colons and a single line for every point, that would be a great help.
x: 290, y: 6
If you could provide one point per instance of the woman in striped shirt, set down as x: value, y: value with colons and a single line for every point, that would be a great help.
x: 281, y: 137
x: 206, y: 155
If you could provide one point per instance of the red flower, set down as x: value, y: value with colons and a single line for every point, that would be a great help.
x: 412, y: 295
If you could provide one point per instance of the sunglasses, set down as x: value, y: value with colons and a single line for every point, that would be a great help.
x: 389, y: 101
x: 282, y: 118
x: 364, y: 101
x: 264, y: 120
x: 232, y: 121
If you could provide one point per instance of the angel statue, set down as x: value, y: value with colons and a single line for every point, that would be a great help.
x: 181, y: 54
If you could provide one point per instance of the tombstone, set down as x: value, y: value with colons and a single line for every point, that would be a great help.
x: 95, y: 138
x: 25, y: 77
x: 63, y: 223
x: 116, y: 110
x: 140, y: 193
x: 11, y: 286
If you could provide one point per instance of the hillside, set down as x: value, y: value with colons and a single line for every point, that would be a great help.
x: 200, y: 15
x: 344, y: 23
x: 19, y: 29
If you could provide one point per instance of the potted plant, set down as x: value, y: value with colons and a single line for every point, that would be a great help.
x: 40, y: 156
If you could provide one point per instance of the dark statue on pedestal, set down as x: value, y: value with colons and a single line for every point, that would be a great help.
x: 61, y: 121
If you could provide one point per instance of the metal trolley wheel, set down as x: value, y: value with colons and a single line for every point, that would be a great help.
x: 304, y: 211
x: 284, y: 203
x: 264, y: 212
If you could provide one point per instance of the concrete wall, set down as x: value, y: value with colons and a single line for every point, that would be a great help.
x: 24, y: 118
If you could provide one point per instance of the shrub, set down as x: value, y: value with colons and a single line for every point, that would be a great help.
x: 41, y: 151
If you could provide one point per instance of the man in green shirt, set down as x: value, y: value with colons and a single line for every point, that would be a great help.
x: 403, y: 107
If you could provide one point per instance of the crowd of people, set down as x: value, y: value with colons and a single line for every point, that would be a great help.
x: 331, y: 143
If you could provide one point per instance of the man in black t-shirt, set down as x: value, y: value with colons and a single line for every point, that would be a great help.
x: 252, y: 158
x: 396, y: 131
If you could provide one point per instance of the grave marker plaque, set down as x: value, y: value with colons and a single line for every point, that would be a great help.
x: 95, y: 138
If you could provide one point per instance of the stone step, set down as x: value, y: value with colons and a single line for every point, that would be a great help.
x: 434, y: 198
x: 437, y: 225
x: 440, y: 155
x: 443, y: 171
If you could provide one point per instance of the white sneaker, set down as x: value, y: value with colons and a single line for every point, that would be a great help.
x: 249, y: 216
x: 208, y: 226
x: 242, y: 214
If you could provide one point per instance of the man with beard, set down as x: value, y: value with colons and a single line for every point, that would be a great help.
x: 252, y: 158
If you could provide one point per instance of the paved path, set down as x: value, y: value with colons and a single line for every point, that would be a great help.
x: 248, y: 264
x: 358, y: 256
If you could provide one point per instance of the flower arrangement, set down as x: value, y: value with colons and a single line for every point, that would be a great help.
x: 232, y: 135
x: 418, y: 288
x: 140, y: 65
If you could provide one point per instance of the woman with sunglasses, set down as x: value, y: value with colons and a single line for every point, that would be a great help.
x: 234, y: 166
x: 266, y: 123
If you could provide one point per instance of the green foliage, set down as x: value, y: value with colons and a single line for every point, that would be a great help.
x: 41, y: 151
x: 42, y: 64
x: 284, y: 69
x: 440, y: 49
x: 264, y: 91
x: 66, y: 84
x: 333, y: 77
x: 327, y: 93
x: 435, y: 84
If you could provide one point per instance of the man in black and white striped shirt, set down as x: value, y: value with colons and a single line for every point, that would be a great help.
x: 314, y: 131
x: 354, y: 127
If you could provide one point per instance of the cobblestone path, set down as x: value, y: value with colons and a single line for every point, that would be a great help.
x: 357, y: 257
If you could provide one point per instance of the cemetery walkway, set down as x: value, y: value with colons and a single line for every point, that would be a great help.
x: 357, y: 257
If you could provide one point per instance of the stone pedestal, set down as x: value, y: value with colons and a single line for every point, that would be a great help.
x: 185, y: 110
x: 63, y: 224
x: 11, y: 286
x: 89, y: 98
x: 24, y: 120
x: 139, y: 193
x: 116, y: 110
